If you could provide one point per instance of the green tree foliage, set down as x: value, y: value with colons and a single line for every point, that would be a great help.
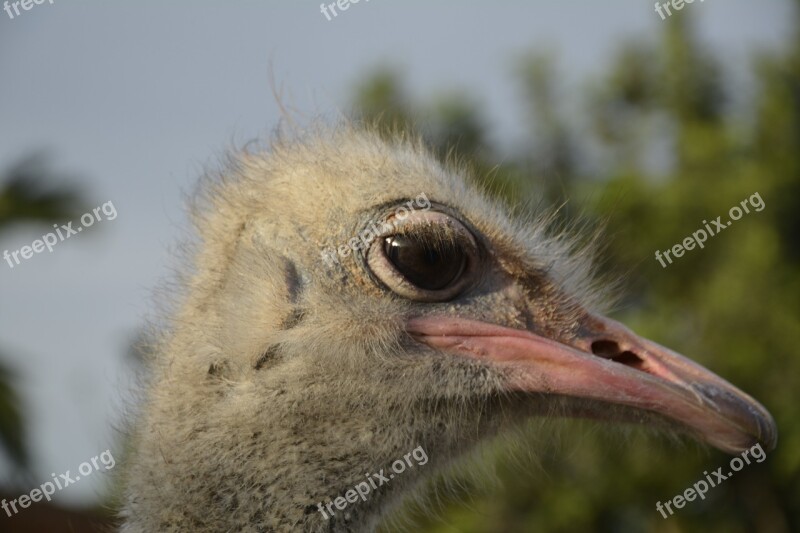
x: 27, y: 195
x: 12, y: 437
x: 659, y: 145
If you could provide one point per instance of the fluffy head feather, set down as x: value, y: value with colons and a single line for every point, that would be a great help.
x: 284, y: 378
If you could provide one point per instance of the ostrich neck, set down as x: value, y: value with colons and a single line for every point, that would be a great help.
x: 300, y: 465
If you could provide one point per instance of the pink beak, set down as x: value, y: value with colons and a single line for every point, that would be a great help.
x: 609, y: 363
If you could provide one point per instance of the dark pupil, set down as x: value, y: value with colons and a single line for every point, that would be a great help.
x: 428, y: 267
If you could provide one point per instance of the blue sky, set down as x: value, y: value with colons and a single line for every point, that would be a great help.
x: 137, y: 98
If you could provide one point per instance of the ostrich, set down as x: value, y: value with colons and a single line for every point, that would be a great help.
x: 290, y: 375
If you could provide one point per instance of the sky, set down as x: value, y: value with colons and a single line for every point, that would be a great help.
x: 132, y: 101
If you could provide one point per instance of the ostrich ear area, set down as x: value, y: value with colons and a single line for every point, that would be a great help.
x: 608, y: 363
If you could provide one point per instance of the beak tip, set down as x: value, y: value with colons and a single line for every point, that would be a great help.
x: 768, y: 432
x: 761, y: 431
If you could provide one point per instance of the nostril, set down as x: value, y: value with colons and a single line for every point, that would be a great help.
x: 611, y: 350
x: 607, y: 349
x: 629, y: 359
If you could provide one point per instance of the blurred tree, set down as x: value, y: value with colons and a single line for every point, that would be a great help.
x: 670, y: 150
x: 450, y: 124
x: 11, y: 421
x: 26, y: 196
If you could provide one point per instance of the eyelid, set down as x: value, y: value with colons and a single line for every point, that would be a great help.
x: 432, y: 222
x: 437, y: 224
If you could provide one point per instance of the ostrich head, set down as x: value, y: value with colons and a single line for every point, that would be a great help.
x: 351, y: 300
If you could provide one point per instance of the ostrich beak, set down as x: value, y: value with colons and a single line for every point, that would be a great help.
x: 607, y: 362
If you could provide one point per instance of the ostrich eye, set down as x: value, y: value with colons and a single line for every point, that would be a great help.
x: 424, y: 264
x: 428, y: 256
